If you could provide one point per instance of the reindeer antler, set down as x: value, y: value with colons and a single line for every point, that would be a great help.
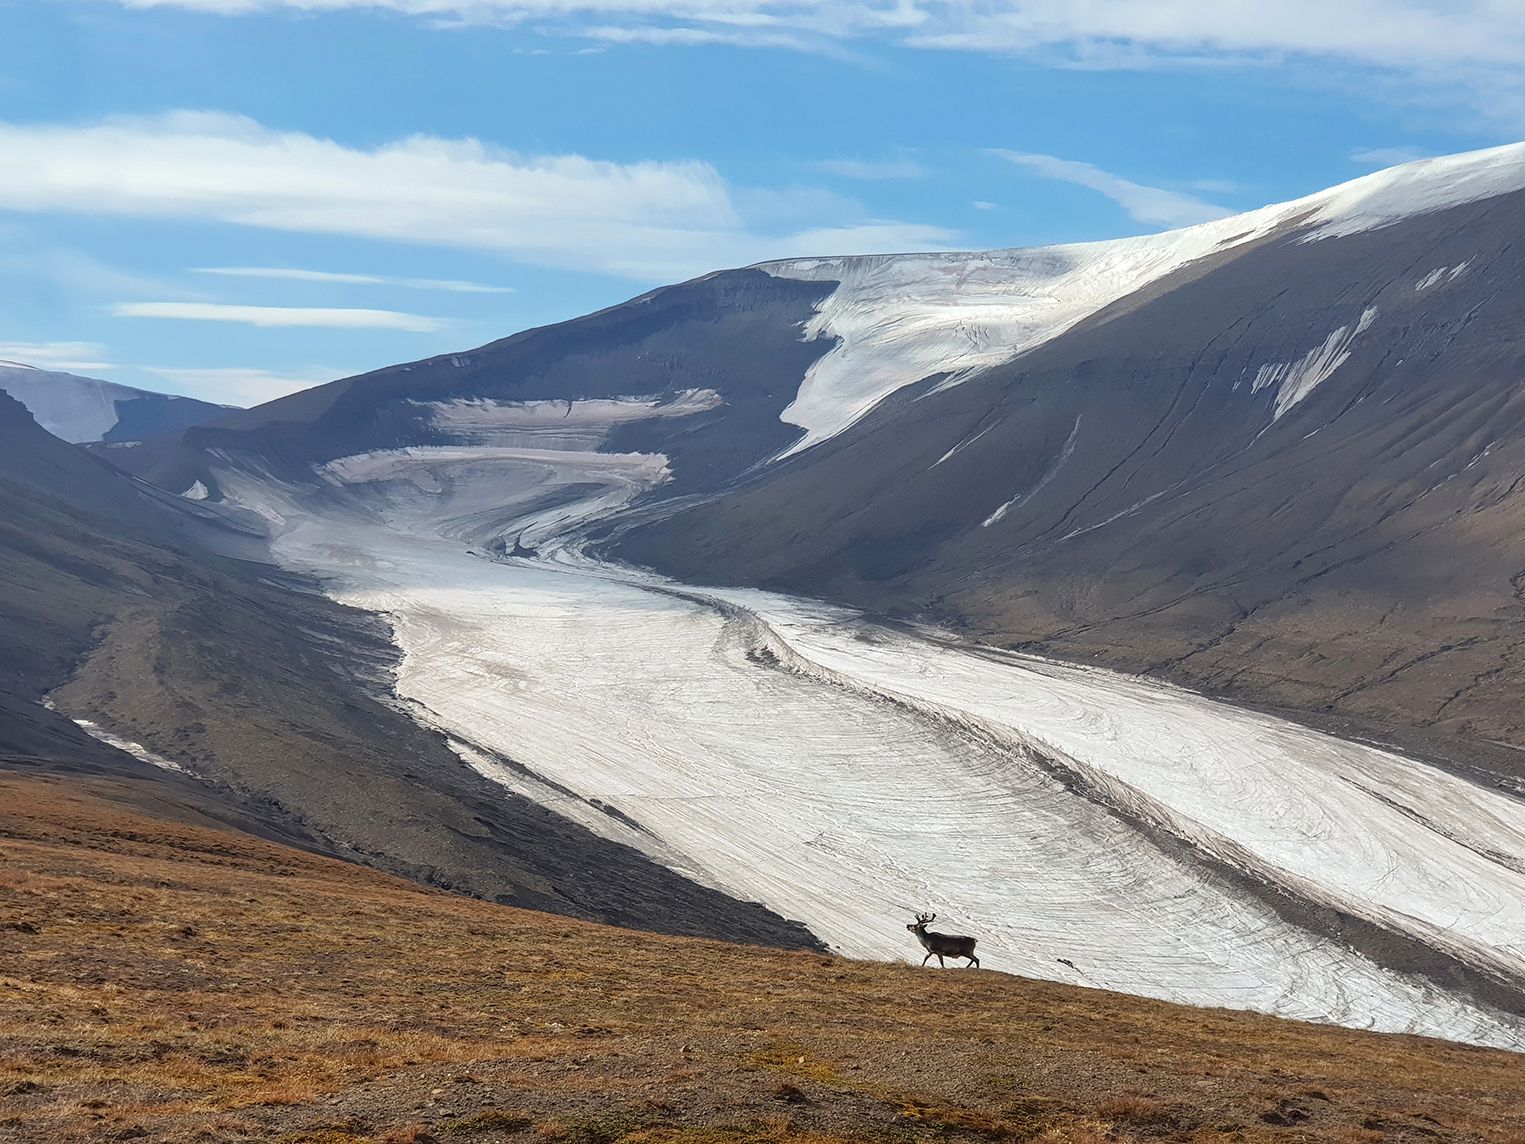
x: 926, y: 917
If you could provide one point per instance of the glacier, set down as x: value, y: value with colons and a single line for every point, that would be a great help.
x: 1086, y: 826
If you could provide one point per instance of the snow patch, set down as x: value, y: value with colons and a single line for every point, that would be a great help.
x: 962, y: 444
x: 197, y: 491
x: 1441, y: 273
x: 136, y: 750
x: 1295, y: 380
x: 1049, y: 474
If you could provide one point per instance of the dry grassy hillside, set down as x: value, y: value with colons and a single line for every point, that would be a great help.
x: 164, y: 978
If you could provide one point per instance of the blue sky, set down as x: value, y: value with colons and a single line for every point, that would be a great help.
x: 237, y: 198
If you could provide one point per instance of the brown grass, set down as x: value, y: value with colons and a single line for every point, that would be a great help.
x: 165, y: 980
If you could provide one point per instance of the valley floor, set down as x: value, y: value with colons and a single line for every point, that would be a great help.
x: 164, y: 978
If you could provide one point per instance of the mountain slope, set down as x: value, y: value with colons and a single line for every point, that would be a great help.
x: 87, y: 409
x: 173, y: 980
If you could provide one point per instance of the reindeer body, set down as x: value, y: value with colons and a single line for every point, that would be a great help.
x: 942, y: 945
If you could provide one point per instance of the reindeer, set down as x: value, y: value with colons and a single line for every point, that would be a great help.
x: 942, y: 943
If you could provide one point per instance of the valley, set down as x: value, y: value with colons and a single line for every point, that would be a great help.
x: 1090, y: 827
x: 1147, y: 608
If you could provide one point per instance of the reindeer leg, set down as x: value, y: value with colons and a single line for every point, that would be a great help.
x: 974, y: 962
x: 941, y: 963
x: 924, y: 960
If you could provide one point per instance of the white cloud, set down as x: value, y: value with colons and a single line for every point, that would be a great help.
x: 1381, y: 32
x: 1146, y: 204
x: 872, y: 170
x: 1388, y: 156
x: 653, y: 221
x: 68, y: 357
x: 322, y: 316
x: 294, y: 274
x: 233, y: 386
x: 982, y: 205
x: 1471, y: 48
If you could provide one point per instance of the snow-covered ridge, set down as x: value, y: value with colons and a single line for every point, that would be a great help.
x: 82, y: 409
x: 75, y: 408
x: 900, y: 318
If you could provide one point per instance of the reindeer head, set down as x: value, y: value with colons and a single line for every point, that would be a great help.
x: 921, y: 923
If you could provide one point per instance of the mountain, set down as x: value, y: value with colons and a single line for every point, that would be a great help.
x: 779, y: 577
x: 1272, y: 457
x: 1275, y: 457
x: 87, y: 409
x: 142, y: 642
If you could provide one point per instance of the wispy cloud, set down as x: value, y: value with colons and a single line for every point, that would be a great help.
x: 1388, y: 156
x: 687, y: 36
x: 653, y: 220
x: 1146, y: 204
x: 871, y: 170
x: 67, y: 357
x: 1215, y: 186
x: 1471, y: 48
x: 294, y: 274
x: 234, y: 386
x: 321, y: 316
